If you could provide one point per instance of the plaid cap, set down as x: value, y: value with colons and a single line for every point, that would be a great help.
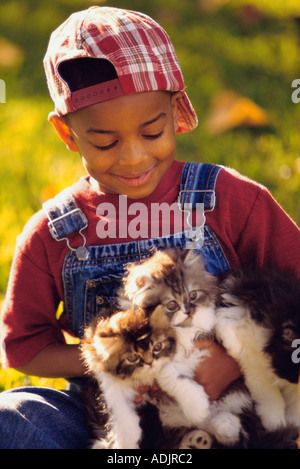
x: 137, y: 46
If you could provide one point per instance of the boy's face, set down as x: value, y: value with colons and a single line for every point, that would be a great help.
x: 127, y: 144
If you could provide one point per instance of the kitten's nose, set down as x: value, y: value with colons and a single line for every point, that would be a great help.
x: 188, y: 308
x: 148, y: 358
x: 149, y: 362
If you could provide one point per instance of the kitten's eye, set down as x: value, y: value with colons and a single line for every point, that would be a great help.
x: 157, y: 347
x: 197, y: 295
x: 193, y: 295
x: 288, y: 334
x: 172, y: 305
x: 133, y: 358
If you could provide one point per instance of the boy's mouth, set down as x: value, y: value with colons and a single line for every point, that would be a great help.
x: 135, y: 180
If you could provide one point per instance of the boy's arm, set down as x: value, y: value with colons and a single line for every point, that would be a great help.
x: 29, y: 326
x: 56, y: 361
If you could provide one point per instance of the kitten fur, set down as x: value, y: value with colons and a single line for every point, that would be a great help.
x: 177, y: 280
x: 257, y: 319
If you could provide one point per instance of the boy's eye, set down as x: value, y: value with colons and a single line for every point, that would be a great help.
x: 153, y: 136
x: 133, y: 358
x: 106, y: 147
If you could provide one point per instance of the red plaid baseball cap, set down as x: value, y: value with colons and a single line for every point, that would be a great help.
x: 139, y: 49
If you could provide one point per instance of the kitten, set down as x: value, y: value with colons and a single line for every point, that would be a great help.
x: 257, y: 320
x: 178, y: 281
x: 131, y: 349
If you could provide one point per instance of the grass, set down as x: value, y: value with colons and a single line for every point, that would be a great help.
x: 254, y: 52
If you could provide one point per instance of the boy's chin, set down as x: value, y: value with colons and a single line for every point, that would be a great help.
x: 129, y: 192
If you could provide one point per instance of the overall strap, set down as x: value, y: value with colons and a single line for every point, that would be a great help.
x: 197, y: 185
x: 65, y: 218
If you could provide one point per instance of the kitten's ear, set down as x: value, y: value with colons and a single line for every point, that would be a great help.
x: 289, y: 334
x: 136, y: 283
x: 159, y: 318
x: 191, y: 259
x: 194, y: 260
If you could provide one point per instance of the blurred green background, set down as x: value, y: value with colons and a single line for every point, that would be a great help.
x: 239, y: 60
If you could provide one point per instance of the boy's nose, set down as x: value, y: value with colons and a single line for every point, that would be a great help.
x: 132, y: 154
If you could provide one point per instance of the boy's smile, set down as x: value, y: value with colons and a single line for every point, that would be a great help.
x: 126, y: 144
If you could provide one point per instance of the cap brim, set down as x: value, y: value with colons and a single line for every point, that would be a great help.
x: 186, y: 115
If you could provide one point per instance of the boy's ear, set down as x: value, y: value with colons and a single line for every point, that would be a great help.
x: 61, y: 126
x: 174, y: 103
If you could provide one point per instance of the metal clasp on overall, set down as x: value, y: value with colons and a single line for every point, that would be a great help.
x: 196, y: 233
x: 82, y: 252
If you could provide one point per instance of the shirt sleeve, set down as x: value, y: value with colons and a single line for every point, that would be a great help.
x: 253, y: 228
x: 269, y: 237
x: 28, y: 321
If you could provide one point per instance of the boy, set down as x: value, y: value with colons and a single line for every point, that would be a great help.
x: 119, y: 100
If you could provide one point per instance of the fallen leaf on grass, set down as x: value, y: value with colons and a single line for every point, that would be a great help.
x: 230, y: 110
x: 11, y: 55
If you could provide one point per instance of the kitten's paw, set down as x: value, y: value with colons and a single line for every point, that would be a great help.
x: 129, y: 439
x: 272, y: 418
x: 196, y: 439
x: 226, y: 428
x: 229, y: 338
x: 100, y: 444
x: 127, y: 442
x: 196, y: 411
x: 121, y: 444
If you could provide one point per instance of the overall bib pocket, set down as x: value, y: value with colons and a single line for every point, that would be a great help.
x: 100, y: 295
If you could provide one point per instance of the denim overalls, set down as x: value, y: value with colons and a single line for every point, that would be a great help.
x: 90, y: 283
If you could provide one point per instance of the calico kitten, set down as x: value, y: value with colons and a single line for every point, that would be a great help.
x: 131, y: 349
x: 178, y: 281
x: 121, y: 353
x: 257, y: 320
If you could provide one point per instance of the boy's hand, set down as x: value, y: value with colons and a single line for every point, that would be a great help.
x: 217, y: 371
